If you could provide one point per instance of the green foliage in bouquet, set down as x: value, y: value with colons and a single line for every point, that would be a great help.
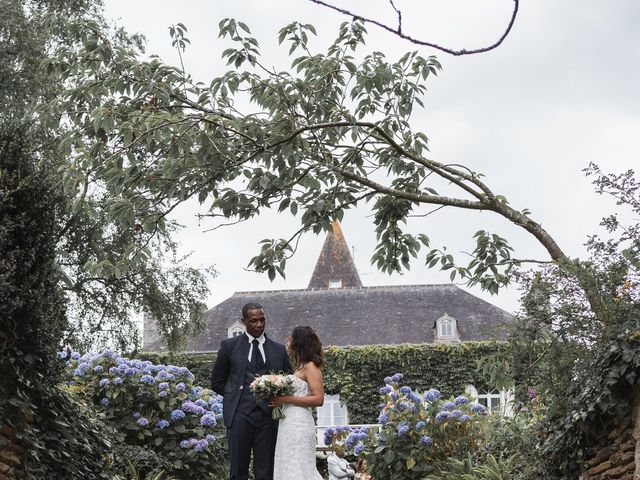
x: 157, y: 407
x: 419, y: 433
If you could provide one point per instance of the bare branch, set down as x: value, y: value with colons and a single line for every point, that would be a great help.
x: 398, y: 30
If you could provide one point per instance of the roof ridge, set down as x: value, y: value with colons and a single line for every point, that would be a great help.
x: 373, y: 287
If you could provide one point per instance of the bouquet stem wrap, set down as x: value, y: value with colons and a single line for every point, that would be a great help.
x: 266, y: 387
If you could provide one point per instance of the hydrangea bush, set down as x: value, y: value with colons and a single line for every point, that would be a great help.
x: 418, y: 434
x: 156, y: 406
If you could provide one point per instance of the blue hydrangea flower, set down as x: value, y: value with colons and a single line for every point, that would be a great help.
x: 143, y: 422
x: 415, y: 398
x: 426, y: 440
x: 163, y: 394
x: 208, y: 421
x: 432, y: 395
x: 393, y: 396
x: 200, y: 445
x: 478, y: 408
x: 464, y: 418
x: 137, y: 414
x: 114, y: 370
x: 131, y: 371
x: 456, y: 413
x: 403, y: 406
x: 191, y: 407
x: 148, y: 379
x: 461, y: 400
x: 117, y: 381
x: 388, y: 380
x: 104, y: 402
x: 104, y: 382
x: 442, y: 417
x: 216, y: 407
x: 421, y: 425
x: 98, y: 369
x: 181, y: 387
x: 383, y: 417
x: 63, y: 354
x: 162, y: 424
x: 202, y: 403
x: 185, y: 444
x: 403, y: 428
x: 359, y: 448
x: 448, y: 405
x: 405, y: 390
x: 397, y: 377
x: 211, y: 438
x: 384, y: 390
x: 177, y: 415
x: 75, y: 355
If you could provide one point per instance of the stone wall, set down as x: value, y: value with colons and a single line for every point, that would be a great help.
x: 10, y: 454
x: 615, y: 461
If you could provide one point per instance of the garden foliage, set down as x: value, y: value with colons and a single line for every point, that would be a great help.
x: 156, y: 406
x: 419, y: 433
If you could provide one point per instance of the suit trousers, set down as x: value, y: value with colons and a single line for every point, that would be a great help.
x: 255, y: 431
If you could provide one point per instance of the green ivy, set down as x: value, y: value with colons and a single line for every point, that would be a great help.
x: 356, y: 373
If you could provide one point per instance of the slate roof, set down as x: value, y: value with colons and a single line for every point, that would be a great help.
x: 335, y: 263
x: 359, y: 316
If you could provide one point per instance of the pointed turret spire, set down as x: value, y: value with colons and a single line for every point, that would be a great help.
x: 335, y: 267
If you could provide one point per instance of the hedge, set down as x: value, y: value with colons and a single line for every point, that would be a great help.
x: 356, y: 373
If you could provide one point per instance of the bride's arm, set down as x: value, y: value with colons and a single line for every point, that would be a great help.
x: 316, y: 390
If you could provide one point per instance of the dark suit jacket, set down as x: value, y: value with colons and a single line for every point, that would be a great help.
x: 227, y: 377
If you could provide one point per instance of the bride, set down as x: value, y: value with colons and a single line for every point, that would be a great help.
x: 295, y: 456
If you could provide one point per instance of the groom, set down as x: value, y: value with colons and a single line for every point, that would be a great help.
x: 249, y: 424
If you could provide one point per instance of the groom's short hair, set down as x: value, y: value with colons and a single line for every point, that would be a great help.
x: 250, y: 306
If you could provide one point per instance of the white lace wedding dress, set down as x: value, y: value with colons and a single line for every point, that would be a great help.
x: 295, y: 457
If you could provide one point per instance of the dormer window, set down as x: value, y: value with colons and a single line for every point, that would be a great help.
x: 446, y: 330
x: 335, y: 283
x: 236, y: 329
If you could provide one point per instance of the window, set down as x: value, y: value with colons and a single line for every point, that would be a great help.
x: 446, y: 328
x: 235, y: 330
x: 332, y: 413
x: 496, y: 401
x: 491, y: 400
x: 335, y: 283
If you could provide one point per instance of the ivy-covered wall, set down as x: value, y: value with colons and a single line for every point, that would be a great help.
x: 356, y: 373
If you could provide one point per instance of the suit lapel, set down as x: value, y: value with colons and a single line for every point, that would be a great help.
x: 242, y: 352
x: 270, y: 352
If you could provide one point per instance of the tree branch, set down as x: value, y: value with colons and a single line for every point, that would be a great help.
x: 398, y: 30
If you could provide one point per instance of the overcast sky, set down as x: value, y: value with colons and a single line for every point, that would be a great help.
x: 560, y: 92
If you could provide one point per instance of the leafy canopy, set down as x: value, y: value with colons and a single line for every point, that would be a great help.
x: 328, y: 133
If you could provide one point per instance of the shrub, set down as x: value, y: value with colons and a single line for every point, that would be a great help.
x: 156, y: 406
x: 418, y: 432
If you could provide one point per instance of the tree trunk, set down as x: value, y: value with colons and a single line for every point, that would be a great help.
x: 636, y: 429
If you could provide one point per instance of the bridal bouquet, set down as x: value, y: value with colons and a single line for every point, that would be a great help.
x: 269, y: 386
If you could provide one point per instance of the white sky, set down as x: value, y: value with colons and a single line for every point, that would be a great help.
x: 559, y: 93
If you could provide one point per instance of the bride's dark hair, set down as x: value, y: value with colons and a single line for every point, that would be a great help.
x: 305, y: 346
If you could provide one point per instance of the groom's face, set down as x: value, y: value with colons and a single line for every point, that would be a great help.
x: 255, y: 322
